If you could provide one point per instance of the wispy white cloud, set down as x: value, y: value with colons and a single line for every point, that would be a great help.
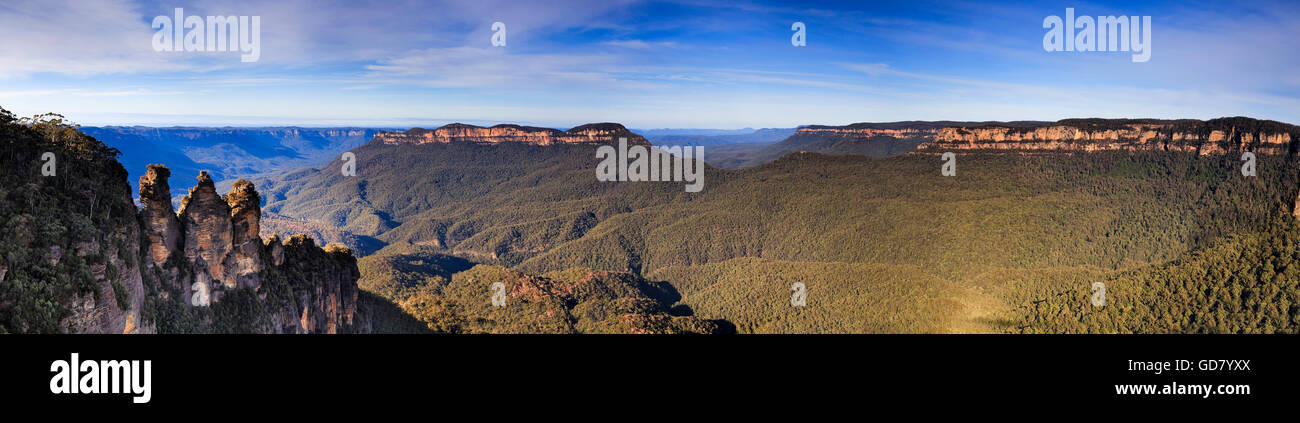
x: 88, y: 93
x: 29, y: 93
x: 77, y: 38
x: 82, y: 38
x: 640, y: 44
x: 488, y: 67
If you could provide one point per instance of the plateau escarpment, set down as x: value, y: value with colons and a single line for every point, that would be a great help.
x: 1216, y: 136
x: 865, y: 139
x: 402, y: 178
x: 861, y: 131
x: 459, y: 132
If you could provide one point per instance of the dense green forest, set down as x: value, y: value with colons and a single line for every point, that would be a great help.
x: 448, y: 297
x: 1246, y: 283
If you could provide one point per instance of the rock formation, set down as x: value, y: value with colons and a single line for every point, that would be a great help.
x: 1216, y: 136
x: 159, y: 218
x: 205, y: 217
x: 459, y: 132
x: 327, y: 300
x: 246, y: 244
x: 216, y: 242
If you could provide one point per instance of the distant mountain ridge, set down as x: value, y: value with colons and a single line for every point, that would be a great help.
x: 871, y: 139
x: 765, y: 135
x: 885, y: 139
x: 227, y: 153
x: 509, y: 133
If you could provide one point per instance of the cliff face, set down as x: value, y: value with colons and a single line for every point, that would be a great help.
x: 867, y: 132
x: 158, y: 218
x: 70, y: 242
x: 205, y: 218
x: 245, y: 260
x: 118, y: 305
x: 211, y: 249
x: 915, y: 129
x: 325, y: 289
x: 459, y: 132
x: 1218, y: 136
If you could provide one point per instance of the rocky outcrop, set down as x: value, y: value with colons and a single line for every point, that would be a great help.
x: 459, y: 132
x: 325, y: 296
x: 1217, y: 136
x: 161, y: 224
x: 276, y: 249
x: 245, y: 259
x: 205, y: 217
x: 217, y: 241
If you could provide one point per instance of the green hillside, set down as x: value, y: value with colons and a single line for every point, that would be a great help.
x: 1246, y: 283
x: 439, y: 291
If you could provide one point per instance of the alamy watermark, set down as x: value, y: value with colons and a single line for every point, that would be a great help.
x: 1248, y: 167
x: 1105, y: 33
x: 1098, y: 294
x: 213, y: 34
x: 498, y: 294
x: 49, y: 166
x: 77, y: 376
x: 646, y: 163
x: 498, y: 34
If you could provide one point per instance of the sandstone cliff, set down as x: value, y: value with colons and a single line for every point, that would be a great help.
x: 864, y: 133
x: 159, y: 222
x: 205, y: 218
x: 459, y: 132
x: 220, y: 252
x: 1216, y: 136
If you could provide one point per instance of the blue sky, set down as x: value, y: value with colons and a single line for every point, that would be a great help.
x: 680, y: 64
